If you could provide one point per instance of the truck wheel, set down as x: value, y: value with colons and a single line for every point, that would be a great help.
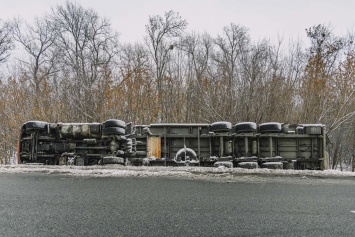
x: 35, y: 125
x: 113, y: 131
x: 113, y: 160
x: 114, y: 123
x: 248, y: 165
x: 227, y: 164
x: 245, y: 127
x: 270, y: 127
x: 221, y: 126
x: 272, y: 165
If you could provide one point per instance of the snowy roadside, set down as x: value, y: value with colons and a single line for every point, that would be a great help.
x: 220, y: 174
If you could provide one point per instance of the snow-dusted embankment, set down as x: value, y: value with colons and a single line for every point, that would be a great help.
x: 201, y: 173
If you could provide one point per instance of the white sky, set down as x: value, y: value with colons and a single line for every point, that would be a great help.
x: 264, y: 18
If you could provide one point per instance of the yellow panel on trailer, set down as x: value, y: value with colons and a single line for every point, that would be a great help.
x: 154, y: 147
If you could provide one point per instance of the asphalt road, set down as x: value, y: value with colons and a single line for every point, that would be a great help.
x: 58, y: 205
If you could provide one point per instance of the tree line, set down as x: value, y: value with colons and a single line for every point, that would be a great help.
x: 70, y: 66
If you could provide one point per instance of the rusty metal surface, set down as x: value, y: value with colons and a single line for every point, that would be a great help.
x: 154, y: 147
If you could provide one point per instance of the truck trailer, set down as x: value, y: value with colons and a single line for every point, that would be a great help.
x: 271, y: 145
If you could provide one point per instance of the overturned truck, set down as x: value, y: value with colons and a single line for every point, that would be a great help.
x: 246, y: 145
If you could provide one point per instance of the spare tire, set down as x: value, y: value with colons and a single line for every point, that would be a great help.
x: 113, y: 131
x: 183, y: 153
x: 35, y: 125
x: 222, y: 126
x: 114, y: 123
x: 270, y: 127
x: 245, y: 127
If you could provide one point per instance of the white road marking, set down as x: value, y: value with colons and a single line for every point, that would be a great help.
x: 352, y: 211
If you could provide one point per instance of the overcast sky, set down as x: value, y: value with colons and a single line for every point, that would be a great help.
x: 264, y: 18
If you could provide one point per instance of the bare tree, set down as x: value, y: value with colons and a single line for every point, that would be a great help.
x: 323, y: 56
x: 6, y: 40
x: 37, y: 42
x: 162, y: 36
x: 199, y: 49
x: 232, y: 44
x: 136, y: 86
x: 88, y: 46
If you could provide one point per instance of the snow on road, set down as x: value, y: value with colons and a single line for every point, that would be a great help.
x: 220, y: 174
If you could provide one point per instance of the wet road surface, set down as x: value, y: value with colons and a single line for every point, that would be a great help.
x: 59, y: 205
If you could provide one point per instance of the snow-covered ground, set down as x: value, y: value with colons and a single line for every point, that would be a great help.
x: 200, y: 173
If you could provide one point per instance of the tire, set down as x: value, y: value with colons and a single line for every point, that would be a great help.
x: 141, y: 153
x: 113, y: 160
x: 36, y: 125
x: 272, y: 165
x: 114, y: 123
x: 221, y: 126
x: 312, y: 130
x: 245, y: 127
x: 226, y: 164
x: 270, y: 127
x: 248, y: 165
x: 289, y: 165
x: 113, y: 131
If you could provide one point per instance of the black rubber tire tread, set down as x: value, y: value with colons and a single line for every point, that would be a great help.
x: 222, y: 126
x: 113, y: 131
x: 272, y: 165
x: 313, y: 130
x: 36, y: 125
x: 114, y: 123
x: 113, y: 160
x: 141, y: 153
x: 248, y: 165
x: 245, y: 127
x: 270, y: 127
